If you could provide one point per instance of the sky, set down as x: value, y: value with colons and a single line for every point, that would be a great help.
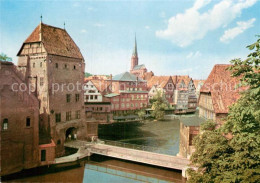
x: 174, y: 37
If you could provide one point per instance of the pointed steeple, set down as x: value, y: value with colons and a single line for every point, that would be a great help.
x: 135, y: 48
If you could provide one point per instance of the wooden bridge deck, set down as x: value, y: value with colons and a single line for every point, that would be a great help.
x: 146, y: 157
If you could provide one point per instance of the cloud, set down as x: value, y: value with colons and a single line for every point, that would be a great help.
x: 193, y: 54
x: 147, y: 27
x: 99, y: 25
x: 83, y: 31
x: 235, y: 31
x: 162, y: 14
x: 76, y: 4
x: 184, y: 28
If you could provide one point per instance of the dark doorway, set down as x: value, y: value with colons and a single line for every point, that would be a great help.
x: 71, y: 133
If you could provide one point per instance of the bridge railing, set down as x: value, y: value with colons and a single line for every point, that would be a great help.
x: 139, y: 147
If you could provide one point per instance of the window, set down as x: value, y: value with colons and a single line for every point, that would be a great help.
x: 95, y: 96
x: 65, y: 66
x: 123, y: 105
x: 74, y: 67
x: 58, y: 117
x: 77, y: 97
x: 43, y: 155
x: 33, y: 65
x: 41, y: 64
x: 68, y: 116
x: 5, y: 124
x: 91, y: 97
x: 41, y: 81
x: 57, y: 65
x: 77, y: 114
x: 68, y: 97
x: 28, y: 122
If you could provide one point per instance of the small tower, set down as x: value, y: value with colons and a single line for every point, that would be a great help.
x: 134, y: 59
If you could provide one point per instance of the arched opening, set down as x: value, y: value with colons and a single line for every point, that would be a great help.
x: 71, y: 133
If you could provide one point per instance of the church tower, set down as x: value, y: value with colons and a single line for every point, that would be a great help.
x: 134, y: 59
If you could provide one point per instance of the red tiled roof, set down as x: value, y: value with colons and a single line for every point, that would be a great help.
x: 158, y: 80
x: 55, y: 40
x: 222, y: 88
x: 177, y: 79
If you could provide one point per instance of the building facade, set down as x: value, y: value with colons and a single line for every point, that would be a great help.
x: 52, y: 63
x: 189, y: 128
x: 218, y: 93
x: 164, y: 84
x: 96, y: 104
x: 128, y: 93
x: 19, y: 146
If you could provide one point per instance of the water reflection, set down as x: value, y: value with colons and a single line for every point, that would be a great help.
x: 70, y: 175
x: 162, y: 134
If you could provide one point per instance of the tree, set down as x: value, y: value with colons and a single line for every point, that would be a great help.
x: 234, y: 159
x: 141, y: 114
x: 4, y: 57
x: 159, y: 105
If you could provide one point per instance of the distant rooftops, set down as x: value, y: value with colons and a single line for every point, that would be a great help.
x: 126, y: 76
x: 6, y: 63
x: 137, y: 67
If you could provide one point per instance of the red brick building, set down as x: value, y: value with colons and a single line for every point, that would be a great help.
x: 19, y: 129
x: 128, y: 93
x: 51, y: 61
x: 136, y: 69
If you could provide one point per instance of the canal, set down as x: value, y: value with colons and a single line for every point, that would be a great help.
x: 99, y: 169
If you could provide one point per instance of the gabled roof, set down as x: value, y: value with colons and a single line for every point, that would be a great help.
x: 221, y: 86
x: 100, y: 84
x: 55, y: 40
x: 196, y: 82
x: 137, y: 67
x: 159, y: 81
x: 126, y: 76
x: 177, y: 79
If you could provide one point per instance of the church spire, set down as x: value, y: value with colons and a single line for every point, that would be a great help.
x: 135, y: 48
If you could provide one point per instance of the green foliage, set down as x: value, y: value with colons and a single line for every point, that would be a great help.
x: 87, y: 74
x: 159, y: 105
x: 141, y: 114
x: 208, y: 125
x: 234, y: 159
x: 4, y: 57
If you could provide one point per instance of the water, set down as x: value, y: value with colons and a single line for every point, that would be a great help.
x: 100, y: 169
x: 161, y: 134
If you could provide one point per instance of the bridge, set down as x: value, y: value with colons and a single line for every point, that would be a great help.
x: 130, y: 152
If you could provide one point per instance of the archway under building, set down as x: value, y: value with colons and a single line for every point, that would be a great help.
x: 71, y: 133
